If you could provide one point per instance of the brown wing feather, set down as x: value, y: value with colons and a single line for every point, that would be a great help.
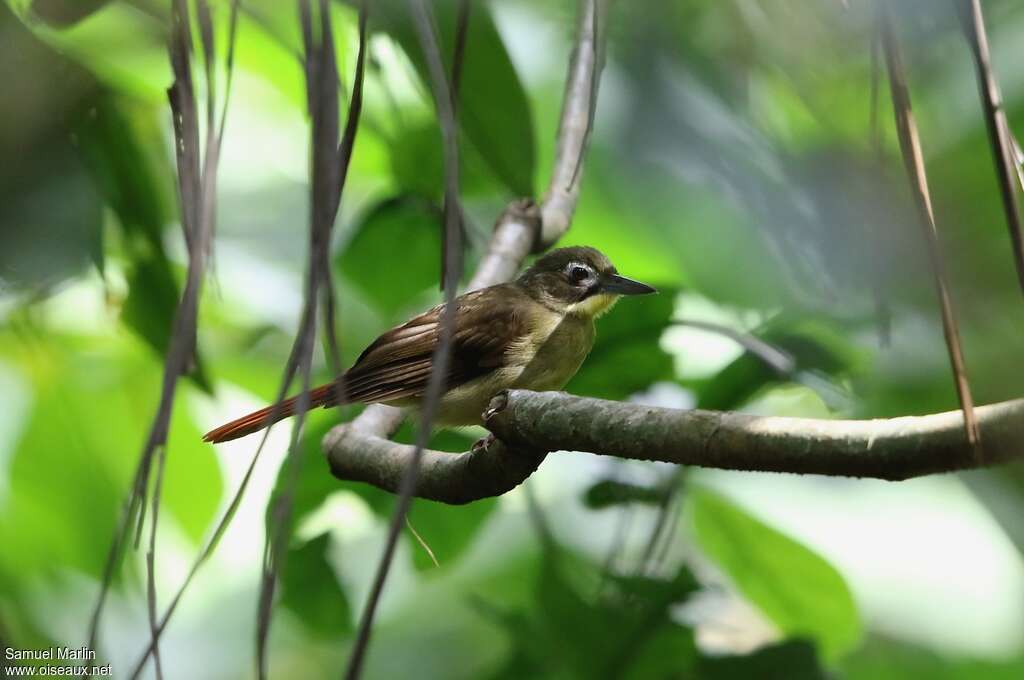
x: 397, y: 365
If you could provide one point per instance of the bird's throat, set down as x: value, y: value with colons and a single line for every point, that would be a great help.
x: 593, y: 306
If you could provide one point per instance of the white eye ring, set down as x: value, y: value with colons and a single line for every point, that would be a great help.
x: 577, y: 272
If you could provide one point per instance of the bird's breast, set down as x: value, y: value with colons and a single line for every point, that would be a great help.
x: 548, y: 356
x: 545, y: 358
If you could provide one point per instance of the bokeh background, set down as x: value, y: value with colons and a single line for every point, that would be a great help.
x: 734, y: 165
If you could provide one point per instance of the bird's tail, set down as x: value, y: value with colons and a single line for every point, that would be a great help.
x: 265, y: 417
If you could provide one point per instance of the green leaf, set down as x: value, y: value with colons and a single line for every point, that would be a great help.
x: 448, y: 530
x: 193, y: 485
x: 881, y: 659
x: 394, y: 255
x: 790, y: 660
x: 814, y: 347
x: 417, y: 164
x: 92, y: 401
x: 151, y: 306
x: 151, y: 302
x: 112, y: 139
x: 64, y: 13
x: 315, y: 482
x: 310, y: 589
x: 626, y: 632
x: 493, y: 109
x: 612, y: 492
x: 799, y: 591
x: 627, y: 336
x: 116, y: 139
x: 50, y: 209
x: 123, y: 46
x: 45, y: 240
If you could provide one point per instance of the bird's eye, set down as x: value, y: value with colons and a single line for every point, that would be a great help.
x: 578, y: 273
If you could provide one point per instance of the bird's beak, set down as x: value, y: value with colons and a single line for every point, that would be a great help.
x: 620, y: 285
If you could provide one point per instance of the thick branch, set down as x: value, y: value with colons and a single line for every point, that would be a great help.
x: 455, y: 478
x: 533, y: 423
x: 891, y: 448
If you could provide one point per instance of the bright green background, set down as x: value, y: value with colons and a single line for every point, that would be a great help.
x: 732, y: 166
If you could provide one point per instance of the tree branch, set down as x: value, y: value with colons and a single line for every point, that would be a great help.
x: 533, y: 423
x: 574, y: 126
x: 1000, y: 137
x: 454, y: 478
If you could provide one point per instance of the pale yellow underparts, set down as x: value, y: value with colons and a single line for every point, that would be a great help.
x: 545, y: 359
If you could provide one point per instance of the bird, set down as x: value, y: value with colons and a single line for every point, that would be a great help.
x: 532, y: 333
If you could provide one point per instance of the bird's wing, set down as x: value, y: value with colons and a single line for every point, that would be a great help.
x: 397, y: 364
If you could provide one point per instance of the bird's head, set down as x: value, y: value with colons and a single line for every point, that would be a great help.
x: 578, y: 280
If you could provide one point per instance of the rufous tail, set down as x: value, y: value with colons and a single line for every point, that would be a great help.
x: 265, y: 417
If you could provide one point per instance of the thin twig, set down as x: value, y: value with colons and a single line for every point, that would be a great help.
x: 1018, y: 160
x: 459, y: 53
x: 616, y: 545
x: 574, y: 127
x: 331, y: 160
x: 883, y: 313
x: 661, y: 524
x: 913, y: 160
x: 598, y: 14
x: 345, y: 150
x: 151, y: 564
x: 451, y: 273
x: 423, y: 543
x: 780, y: 361
x: 973, y: 22
x: 196, y: 193
x: 205, y: 21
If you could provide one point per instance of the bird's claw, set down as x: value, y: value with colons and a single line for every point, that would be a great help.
x: 498, y: 402
x: 481, y: 444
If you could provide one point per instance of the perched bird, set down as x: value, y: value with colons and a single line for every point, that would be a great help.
x: 532, y: 334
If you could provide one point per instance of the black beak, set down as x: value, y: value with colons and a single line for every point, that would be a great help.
x: 620, y: 285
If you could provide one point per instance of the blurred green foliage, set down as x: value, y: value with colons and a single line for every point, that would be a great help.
x: 799, y: 591
x: 494, y: 113
x: 410, y: 220
x: 733, y: 162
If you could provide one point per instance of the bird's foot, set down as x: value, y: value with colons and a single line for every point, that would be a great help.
x: 498, y: 402
x: 481, y: 444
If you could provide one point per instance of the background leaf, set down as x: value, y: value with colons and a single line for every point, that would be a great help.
x: 408, y: 229
x: 494, y: 112
x: 814, y: 348
x: 799, y: 591
x: 310, y: 589
x: 64, y: 13
x: 623, y: 633
x: 882, y: 659
x: 84, y: 431
x: 791, y: 660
